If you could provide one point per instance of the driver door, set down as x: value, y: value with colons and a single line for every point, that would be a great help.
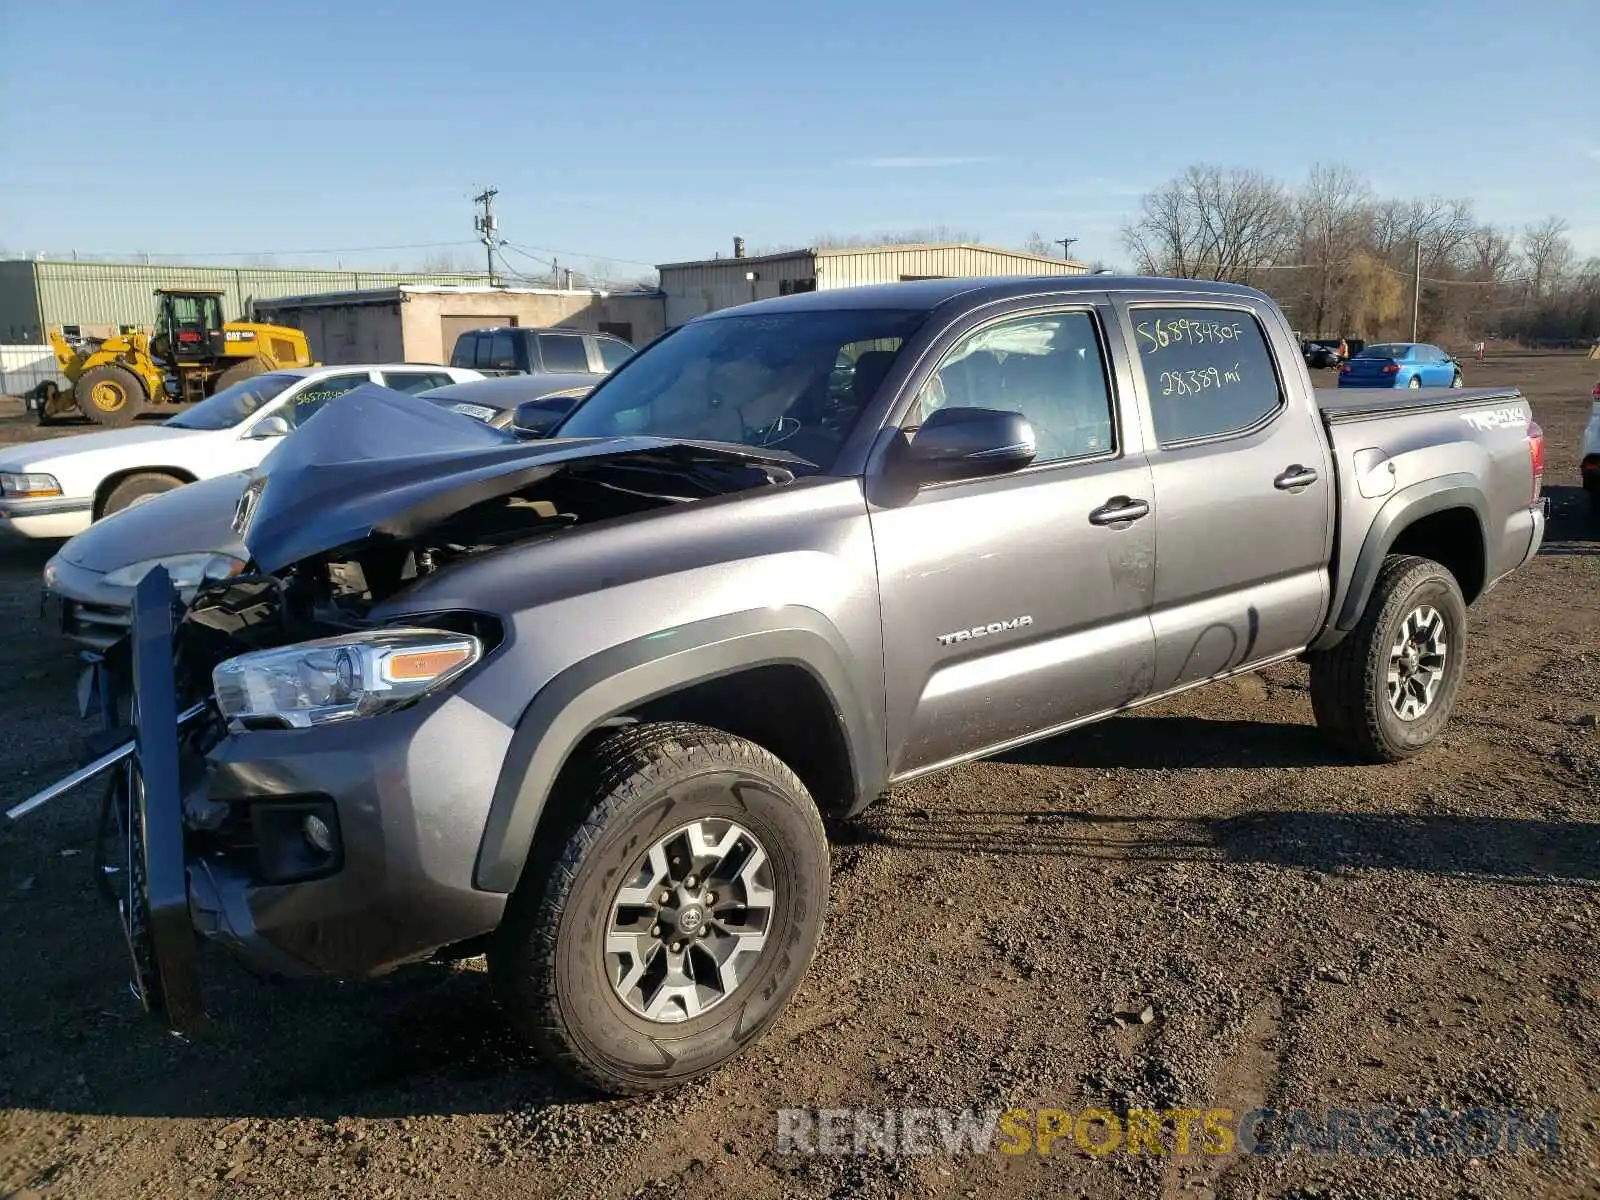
x: 1018, y: 603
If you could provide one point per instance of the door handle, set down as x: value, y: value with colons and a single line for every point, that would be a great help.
x: 1296, y: 477
x: 1119, y: 510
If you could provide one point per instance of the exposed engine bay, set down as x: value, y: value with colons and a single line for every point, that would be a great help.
x: 334, y: 591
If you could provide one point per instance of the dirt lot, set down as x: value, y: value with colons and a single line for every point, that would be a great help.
x: 1305, y: 933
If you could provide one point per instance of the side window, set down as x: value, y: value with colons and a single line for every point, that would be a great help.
x: 502, y: 351
x: 1048, y: 368
x: 414, y: 381
x: 563, y: 352
x: 1208, y: 371
x: 465, y: 350
x: 308, y: 403
x: 613, y: 354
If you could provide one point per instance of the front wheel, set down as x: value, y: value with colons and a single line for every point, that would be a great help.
x: 109, y: 395
x: 673, y: 917
x: 1455, y: 380
x: 1387, y: 690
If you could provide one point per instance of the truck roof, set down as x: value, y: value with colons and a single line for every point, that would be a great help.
x: 931, y: 293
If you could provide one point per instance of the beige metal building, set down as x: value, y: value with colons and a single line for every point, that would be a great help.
x: 420, y: 322
x: 694, y: 288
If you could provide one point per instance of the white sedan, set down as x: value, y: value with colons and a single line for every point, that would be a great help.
x: 57, y: 488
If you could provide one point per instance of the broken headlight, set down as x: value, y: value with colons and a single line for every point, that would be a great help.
x: 339, y: 678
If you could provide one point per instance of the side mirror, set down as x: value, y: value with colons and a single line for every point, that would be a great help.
x: 539, y: 418
x: 270, y: 427
x: 966, y: 443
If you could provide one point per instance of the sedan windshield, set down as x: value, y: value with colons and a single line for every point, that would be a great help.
x: 232, y: 405
x: 1388, y: 350
x: 793, y: 381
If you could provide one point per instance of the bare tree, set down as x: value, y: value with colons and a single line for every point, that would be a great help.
x: 1333, y: 218
x: 1035, y: 243
x: 1549, y: 254
x: 1210, y: 224
x: 1493, y: 254
x: 927, y: 235
x: 448, y: 262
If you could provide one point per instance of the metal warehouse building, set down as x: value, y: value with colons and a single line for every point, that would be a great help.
x: 694, y: 288
x: 99, y: 297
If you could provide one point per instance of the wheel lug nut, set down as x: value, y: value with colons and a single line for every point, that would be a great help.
x: 689, y: 882
x: 655, y: 931
x: 702, y: 931
x: 666, y: 897
x: 711, y: 897
x: 677, y: 947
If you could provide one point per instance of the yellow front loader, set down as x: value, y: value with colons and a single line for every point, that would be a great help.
x: 192, y: 354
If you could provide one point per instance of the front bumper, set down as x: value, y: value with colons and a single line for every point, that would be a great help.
x: 411, y: 793
x: 46, y: 516
x: 91, y: 612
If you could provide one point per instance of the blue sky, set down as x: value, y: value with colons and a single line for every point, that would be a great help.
x: 655, y: 132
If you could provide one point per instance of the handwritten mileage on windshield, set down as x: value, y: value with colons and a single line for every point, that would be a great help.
x: 1192, y: 383
x: 1156, y: 336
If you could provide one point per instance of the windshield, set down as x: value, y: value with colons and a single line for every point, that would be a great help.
x: 792, y: 381
x: 232, y: 405
x: 1388, y: 350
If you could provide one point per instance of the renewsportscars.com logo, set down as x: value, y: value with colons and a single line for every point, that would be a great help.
x: 1362, y: 1132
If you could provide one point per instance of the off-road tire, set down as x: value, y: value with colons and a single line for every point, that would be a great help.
x: 631, y: 788
x: 134, y: 488
x: 1349, y: 692
x: 247, y: 369
x: 55, y: 404
x: 115, y: 379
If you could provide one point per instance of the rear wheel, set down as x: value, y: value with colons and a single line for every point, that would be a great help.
x: 247, y: 369
x: 1416, y: 382
x: 109, y: 395
x: 1387, y: 690
x: 137, y: 488
x: 673, y: 916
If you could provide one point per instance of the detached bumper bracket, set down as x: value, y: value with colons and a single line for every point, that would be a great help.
x: 167, y: 961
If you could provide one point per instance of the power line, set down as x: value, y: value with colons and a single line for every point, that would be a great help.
x: 632, y: 262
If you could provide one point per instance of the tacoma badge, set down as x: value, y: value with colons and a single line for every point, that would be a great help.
x: 978, y: 631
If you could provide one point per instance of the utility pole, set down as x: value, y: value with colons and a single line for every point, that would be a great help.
x: 1416, y: 293
x: 1066, y: 245
x: 487, y: 225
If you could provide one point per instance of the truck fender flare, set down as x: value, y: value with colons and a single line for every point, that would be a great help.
x: 1401, y: 510
x: 608, y: 684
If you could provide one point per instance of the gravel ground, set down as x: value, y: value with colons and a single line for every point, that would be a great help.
x: 1197, y: 906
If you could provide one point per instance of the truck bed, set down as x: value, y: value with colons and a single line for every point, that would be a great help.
x: 1359, y: 404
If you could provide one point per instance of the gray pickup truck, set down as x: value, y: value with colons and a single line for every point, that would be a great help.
x: 583, y: 704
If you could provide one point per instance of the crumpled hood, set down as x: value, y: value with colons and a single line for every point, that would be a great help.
x: 359, y: 470
x: 196, y: 517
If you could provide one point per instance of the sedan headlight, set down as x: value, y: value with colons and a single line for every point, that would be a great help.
x: 336, y: 679
x: 188, y: 571
x: 29, y: 485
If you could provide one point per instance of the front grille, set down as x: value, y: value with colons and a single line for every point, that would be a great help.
x: 96, y: 625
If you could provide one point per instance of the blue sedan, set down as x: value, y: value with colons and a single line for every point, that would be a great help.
x: 1401, y: 365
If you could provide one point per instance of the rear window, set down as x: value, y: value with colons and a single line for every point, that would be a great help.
x: 1208, y: 371
x: 563, y: 352
x: 1387, y: 350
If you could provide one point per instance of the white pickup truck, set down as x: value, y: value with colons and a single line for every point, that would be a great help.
x: 57, y: 488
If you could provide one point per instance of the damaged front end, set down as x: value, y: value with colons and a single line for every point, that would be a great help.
x: 283, y: 858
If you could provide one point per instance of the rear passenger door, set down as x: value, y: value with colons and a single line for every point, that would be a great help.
x: 1014, y: 604
x: 1243, y: 487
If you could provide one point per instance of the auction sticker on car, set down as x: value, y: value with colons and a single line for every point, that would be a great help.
x: 474, y: 410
